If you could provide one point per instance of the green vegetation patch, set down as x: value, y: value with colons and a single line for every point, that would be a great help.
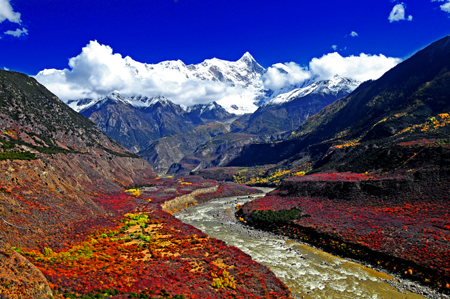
x: 280, y: 217
x: 17, y: 156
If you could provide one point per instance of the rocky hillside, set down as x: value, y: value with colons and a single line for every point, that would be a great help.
x: 218, y: 151
x: 54, y: 162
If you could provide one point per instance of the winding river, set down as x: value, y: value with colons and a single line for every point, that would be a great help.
x: 308, y: 272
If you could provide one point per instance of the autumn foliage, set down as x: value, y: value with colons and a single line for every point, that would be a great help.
x: 140, y: 251
x: 409, y: 236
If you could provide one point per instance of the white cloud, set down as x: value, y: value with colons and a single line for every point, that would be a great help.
x: 362, y: 67
x: 97, y: 71
x: 17, y: 32
x: 446, y: 6
x: 398, y: 13
x: 353, y: 34
x: 334, y: 47
x: 5, y: 68
x: 280, y: 75
x: 7, y: 12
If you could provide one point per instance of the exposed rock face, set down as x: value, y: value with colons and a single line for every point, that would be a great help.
x: 19, y: 278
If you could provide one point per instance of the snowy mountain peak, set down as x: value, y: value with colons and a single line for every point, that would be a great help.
x: 335, y: 86
x: 247, y: 57
x: 135, y: 101
x: 250, y: 62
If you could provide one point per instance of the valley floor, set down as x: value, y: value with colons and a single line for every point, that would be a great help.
x: 146, y: 252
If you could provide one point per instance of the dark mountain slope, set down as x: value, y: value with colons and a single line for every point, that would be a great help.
x: 53, y: 163
x: 288, y: 111
x: 164, y: 152
x: 137, y: 127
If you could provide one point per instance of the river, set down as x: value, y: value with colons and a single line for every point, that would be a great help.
x: 308, y: 272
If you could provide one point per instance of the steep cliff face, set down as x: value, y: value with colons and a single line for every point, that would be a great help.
x: 53, y: 162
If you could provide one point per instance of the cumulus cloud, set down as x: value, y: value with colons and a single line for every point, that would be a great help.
x: 398, y: 13
x: 7, y: 12
x: 280, y: 75
x: 97, y: 71
x: 445, y: 7
x: 362, y: 67
x: 5, y: 68
x: 17, y: 32
x: 353, y: 34
x: 334, y: 47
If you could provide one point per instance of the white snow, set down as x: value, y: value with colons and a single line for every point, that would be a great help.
x: 333, y: 86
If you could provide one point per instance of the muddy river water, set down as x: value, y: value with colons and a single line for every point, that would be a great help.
x: 308, y: 272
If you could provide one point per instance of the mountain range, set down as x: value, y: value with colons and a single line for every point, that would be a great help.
x: 139, y: 122
x: 286, y: 121
x: 362, y: 131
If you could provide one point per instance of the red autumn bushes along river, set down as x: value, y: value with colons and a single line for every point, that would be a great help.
x: 396, y: 222
x: 137, y: 250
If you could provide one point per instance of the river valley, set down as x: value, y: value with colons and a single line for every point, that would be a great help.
x: 308, y: 272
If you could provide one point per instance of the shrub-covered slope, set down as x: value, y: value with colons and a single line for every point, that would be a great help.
x: 53, y: 162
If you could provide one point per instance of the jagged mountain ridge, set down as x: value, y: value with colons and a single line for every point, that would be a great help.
x: 335, y: 86
x: 211, y: 111
x: 244, y: 73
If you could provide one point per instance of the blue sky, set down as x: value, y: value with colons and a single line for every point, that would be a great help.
x: 52, y: 31
x: 90, y: 48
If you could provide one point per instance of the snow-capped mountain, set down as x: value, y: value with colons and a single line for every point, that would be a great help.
x: 245, y: 74
x: 333, y: 87
x: 211, y: 111
x: 136, y: 101
x: 289, y: 110
x: 243, y: 78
